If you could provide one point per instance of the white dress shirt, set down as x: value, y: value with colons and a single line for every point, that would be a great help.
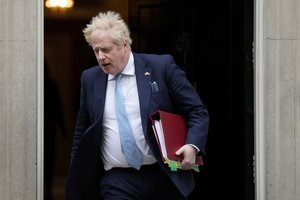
x: 111, y: 152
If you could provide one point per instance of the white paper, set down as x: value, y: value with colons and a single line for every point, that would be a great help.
x: 161, y: 138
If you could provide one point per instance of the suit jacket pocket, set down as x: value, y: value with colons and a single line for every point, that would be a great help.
x: 161, y: 100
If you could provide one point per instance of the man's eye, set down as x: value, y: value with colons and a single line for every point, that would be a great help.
x: 105, y: 50
x: 102, y: 50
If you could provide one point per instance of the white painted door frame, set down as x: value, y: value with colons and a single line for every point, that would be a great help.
x: 40, y: 101
x: 259, y: 101
x: 259, y: 139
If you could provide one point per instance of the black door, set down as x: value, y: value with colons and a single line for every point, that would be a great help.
x: 212, y: 42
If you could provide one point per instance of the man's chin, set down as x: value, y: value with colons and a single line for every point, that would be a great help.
x: 108, y: 70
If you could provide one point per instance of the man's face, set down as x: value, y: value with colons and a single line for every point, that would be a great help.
x: 111, y: 57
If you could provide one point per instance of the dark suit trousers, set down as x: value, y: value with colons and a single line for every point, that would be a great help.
x: 150, y: 182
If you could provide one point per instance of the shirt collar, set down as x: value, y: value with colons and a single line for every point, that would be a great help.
x: 128, y: 70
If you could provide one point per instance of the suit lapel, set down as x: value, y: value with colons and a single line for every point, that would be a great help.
x: 143, y: 79
x: 101, y: 84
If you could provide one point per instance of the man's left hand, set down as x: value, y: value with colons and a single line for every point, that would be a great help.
x: 188, y: 153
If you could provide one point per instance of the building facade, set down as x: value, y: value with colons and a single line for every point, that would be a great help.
x: 277, y: 99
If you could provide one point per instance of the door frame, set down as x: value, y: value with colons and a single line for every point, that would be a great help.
x: 40, y: 101
x: 259, y: 139
x: 259, y: 154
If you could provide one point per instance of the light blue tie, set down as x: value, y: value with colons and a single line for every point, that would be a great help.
x: 130, y: 149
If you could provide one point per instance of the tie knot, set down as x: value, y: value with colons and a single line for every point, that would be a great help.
x: 118, y: 76
x: 118, y: 80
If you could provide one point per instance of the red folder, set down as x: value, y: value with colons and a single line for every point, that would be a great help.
x: 170, y: 132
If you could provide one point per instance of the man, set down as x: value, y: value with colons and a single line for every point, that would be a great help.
x: 99, y: 134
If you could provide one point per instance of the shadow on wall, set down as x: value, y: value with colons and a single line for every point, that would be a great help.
x: 53, y: 125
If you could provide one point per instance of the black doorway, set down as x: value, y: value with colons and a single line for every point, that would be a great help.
x: 212, y: 41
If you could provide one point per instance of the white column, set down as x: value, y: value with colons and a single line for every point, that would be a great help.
x: 21, y: 99
x: 277, y: 98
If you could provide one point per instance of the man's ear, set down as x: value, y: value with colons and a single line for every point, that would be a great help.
x: 126, y: 45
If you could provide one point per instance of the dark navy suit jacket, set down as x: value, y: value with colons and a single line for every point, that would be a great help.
x: 174, y: 94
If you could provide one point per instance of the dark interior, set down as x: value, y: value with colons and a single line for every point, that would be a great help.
x: 211, y: 40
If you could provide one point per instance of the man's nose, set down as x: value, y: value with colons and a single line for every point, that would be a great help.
x: 100, y: 55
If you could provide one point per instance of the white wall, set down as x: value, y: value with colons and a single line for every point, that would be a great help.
x: 278, y: 99
x: 20, y: 104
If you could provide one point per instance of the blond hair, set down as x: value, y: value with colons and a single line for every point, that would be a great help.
x: 109, y: 21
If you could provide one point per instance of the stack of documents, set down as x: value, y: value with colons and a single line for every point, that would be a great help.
x: 170, y: 132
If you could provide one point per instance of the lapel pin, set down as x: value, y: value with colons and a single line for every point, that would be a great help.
x: 147, y: 73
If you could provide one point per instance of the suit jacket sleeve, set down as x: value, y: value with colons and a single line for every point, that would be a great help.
x: 83, y: 119
x: 187, y: 102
